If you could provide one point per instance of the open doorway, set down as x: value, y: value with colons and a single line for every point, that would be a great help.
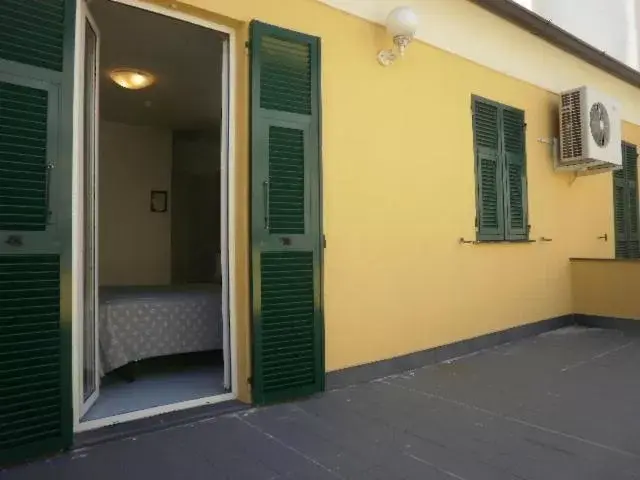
x: 154, y: 187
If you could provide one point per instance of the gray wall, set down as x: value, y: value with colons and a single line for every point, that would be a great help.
x: 195, y: 205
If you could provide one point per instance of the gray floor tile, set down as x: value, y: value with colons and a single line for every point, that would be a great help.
x: 562, y: 405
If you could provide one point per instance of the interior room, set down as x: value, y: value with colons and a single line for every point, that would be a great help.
x: 160, y: 324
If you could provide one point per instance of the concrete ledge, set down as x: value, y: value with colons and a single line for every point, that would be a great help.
x: 625, y: 325
x: 383, y: 368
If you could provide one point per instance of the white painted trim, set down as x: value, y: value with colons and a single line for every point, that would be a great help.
x: 185, y: 17
x: 152, y: 412
x: 95, y: 161
x: 77, y: 225
x: 232, y: 224
x: 77, y: 238
x: 78, y: 200
x: 224, y: 215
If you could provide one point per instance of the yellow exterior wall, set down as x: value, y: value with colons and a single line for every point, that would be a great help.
x: 399, y: 191
x: 607, y: 288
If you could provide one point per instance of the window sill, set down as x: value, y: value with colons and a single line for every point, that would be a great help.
x: 489, y: 242
x: 505, y: 241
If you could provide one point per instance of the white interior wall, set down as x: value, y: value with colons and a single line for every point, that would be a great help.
x: 135, y: 243
x: 195, y: 236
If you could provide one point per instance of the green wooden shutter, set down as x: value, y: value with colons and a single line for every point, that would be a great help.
x: 489, y: 171
x: 31, y: 406
x: 515, y: 174
x: 620, y: 213
x: 30, y: 387
x: 24, y: 167
x: 625, y: 187
x: 631, y: 176
x: 32, y: 32
x: 34, y: 361
x: 287, y: 323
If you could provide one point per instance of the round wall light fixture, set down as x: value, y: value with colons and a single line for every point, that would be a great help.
x: 132, y: 79
x: 402, y: 24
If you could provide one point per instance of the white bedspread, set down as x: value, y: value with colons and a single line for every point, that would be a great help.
x: 145, y: 322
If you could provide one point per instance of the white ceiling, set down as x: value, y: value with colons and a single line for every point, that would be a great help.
x: 186, y: 60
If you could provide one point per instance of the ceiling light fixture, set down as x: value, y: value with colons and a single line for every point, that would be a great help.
x: 132, y: 79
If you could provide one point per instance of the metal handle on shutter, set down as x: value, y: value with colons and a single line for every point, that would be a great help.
x: 47, y: 189
x: 462, y: 241
x: 265, y: 193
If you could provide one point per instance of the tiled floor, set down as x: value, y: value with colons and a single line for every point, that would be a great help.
x: 156, y: 389
x: 564, y: 405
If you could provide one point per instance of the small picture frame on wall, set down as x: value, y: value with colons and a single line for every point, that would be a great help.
x: 159, y: 201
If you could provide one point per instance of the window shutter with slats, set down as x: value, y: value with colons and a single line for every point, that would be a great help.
x: 35, y: 370
x: 287, y: 324
x: 515, y: 174
x: 620, y: 214
x: 32, y: 32
x: 24, y: 167
x: 489, y: 174
x: 631, y: 176
x: 625, y: 191
x: 501, y: 171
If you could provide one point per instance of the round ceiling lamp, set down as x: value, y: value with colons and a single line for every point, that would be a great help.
x: 132, y: 79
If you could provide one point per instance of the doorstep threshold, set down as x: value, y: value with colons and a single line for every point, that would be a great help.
x: 134, y: 428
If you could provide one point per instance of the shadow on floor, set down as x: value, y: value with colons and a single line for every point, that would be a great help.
x: 563, y: 405
x: 159, y: 381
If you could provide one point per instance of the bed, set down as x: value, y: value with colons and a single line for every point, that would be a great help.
x: 144, y: 322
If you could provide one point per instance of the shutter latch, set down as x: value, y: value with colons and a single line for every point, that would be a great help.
x: 14, y: 241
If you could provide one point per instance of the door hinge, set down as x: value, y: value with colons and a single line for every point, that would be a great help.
x: 250, y: 381
x: 324, y: 241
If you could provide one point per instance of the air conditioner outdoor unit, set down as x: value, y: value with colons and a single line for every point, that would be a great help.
x: 590, y: 132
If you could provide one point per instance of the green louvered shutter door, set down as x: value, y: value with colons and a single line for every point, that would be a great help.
x: 34, y: 408
x: 32, y: 32
x: 625, y: 204
x: 23, y: 159
x: 489, y: 172
x: 515, y: 174
x: 287, y: 324
x: 631, y: 176
x: 620, y: 213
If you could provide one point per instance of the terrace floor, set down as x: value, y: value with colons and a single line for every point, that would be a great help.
x: 562, y: 405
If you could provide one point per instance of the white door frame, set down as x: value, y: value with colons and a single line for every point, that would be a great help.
x: 84, y: 17
x: 228, y: 227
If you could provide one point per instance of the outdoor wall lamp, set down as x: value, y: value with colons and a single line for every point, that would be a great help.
x: 402, y: 24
